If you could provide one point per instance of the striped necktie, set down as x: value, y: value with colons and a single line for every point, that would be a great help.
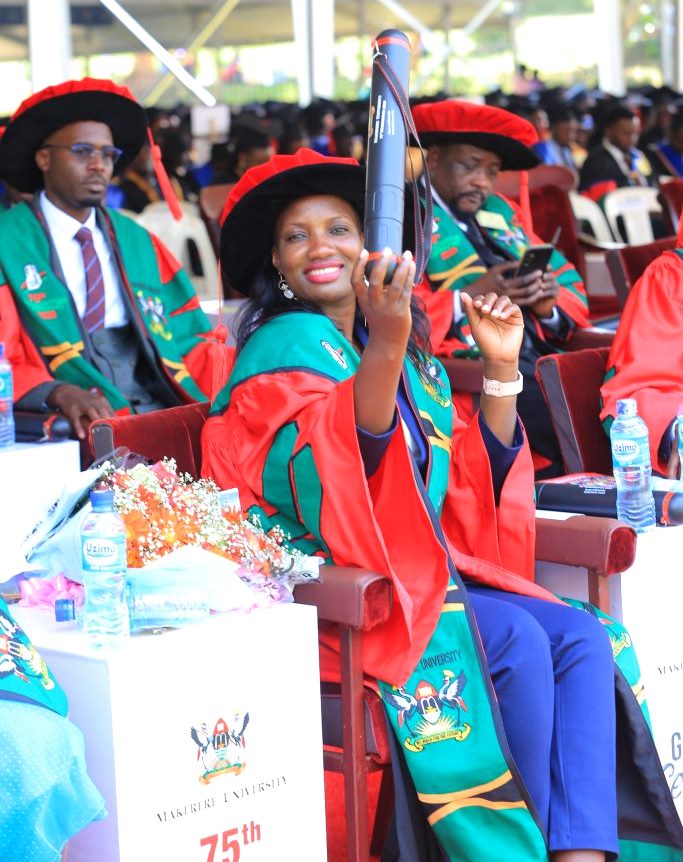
x: 93, y: 319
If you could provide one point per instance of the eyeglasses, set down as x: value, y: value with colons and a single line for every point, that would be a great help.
x: 84, y: 153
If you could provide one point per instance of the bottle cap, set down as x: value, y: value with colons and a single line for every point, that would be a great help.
x: 102, y: 499
x: 65, y: 610
x: 627, y: 407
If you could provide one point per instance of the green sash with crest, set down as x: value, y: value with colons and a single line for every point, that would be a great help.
x: 23, y: 673
x: 454, y: 262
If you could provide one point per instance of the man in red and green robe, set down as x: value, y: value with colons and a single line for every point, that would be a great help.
x: 478, y: 239
x: 120, y: 330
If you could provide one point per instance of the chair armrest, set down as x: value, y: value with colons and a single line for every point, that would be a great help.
x: 32, y: 426
x: 348, y: 596
x: 604, y: 546
x: 590, y: 336
x: 592, y: 244
x: 465, y: 375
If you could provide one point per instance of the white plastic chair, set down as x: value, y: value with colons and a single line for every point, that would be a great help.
x: 178, y: 235
x: 633, y: 205
x: 587, y: 210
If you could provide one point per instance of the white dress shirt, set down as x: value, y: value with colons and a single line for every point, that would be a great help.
x: 63, y: 228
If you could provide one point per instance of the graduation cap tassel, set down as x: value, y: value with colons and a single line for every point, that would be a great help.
x: 222, y: 356
x: 163, y: 180
x: 679, y: 233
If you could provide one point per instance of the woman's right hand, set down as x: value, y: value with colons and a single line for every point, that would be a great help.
x: 386, y: 307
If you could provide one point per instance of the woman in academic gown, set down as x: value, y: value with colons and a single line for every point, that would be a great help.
x: 337, y: 425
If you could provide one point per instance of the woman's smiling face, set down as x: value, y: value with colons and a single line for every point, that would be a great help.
x: 317, y: 242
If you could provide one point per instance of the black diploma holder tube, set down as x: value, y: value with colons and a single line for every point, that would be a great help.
x: 385, y: 173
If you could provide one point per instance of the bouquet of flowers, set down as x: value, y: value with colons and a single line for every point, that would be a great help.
x: 164, y: 510
x: 172, y: 523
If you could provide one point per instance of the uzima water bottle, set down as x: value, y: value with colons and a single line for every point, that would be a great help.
x: 632, y: 467
x: 103, y: 556
x: 386, y: 157
x: 7, y: 434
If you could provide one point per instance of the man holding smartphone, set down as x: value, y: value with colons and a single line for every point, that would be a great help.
x: 479, y: 245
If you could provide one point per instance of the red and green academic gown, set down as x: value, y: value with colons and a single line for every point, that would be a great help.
x: 283, y: 432
x: 43, y: 333
x: 454, y: 264
x: 646, y: 358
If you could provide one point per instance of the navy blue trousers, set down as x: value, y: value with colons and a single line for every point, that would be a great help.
x: 553, y: 673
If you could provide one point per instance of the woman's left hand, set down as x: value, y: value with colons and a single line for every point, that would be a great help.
x: 497, y: 326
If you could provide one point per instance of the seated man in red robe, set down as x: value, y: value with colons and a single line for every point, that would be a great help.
x: 646, y: 359
x: 478, y: 239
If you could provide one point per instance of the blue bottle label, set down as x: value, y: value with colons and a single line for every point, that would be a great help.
x: 630, y: 452
x: 5, y: 387
x: 100, y: 553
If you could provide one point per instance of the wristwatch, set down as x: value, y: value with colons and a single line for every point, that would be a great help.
x: 500, y: 390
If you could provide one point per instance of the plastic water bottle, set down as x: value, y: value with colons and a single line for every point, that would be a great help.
x: 7, y: 435
x: 632, y: 467
x: 103, y: 558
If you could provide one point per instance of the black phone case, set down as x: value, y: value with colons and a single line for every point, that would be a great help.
x: 534, y: 258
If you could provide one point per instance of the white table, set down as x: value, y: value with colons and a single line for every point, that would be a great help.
x: 137, y: 707
x: 32, y: 478
x: 648, y: 599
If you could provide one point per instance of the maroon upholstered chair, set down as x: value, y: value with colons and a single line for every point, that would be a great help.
x: 355, y: 600
x: 174, y: 433
x: 571, y: 386
x: 671, y: 199
x: 550, y: 209
x: 467, y: 375
x: 627, y: 264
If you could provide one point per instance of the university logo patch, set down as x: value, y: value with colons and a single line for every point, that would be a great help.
x: 18, y: 657
x: 337, y: 355
x: 431, y: 715
x: 153, y: 308
x: 32, y: 278
x: 223, y: 751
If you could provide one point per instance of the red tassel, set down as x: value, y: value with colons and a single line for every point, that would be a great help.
x: 163, y: 180
x: 222, y: 356
x: 679, y: 234
x: 525, y: 203
x: 222, y: 360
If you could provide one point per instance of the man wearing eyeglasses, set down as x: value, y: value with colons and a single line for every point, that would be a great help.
x: 478, y: 240
x: 109, y: 314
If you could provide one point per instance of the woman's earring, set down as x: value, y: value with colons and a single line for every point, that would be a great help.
x: 287, y: 291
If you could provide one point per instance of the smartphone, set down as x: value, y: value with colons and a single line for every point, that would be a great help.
x: 537, y: 257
